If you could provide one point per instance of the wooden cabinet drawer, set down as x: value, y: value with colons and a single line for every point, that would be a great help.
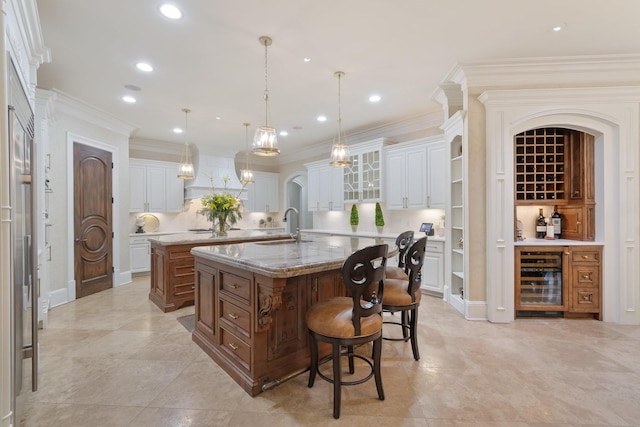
x: 236, y: 285
x: 235, y: 347
x: 586, y: 300
x: 585, y: 255
x: 237, y: 316
x: 181, y: 252
x: 585, y: 276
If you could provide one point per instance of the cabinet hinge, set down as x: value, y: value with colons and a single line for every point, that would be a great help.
x: 111, y: 165
x: 112, y: 235
x: 113, y: 269
x: 112, y: 200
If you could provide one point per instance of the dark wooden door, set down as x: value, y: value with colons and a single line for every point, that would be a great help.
x: 93, y: 236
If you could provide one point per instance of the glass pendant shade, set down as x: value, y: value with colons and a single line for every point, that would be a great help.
x: 265, y: 140
x: 186, y: 170
x: 340, y: 156
x: 246, y: 174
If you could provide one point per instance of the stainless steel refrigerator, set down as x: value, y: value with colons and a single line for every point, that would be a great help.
x: 24, y: 245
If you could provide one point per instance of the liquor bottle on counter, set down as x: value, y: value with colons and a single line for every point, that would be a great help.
x: 556, y: 219
x: 541, y: 226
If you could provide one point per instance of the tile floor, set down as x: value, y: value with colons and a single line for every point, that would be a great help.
x: 114, y: 359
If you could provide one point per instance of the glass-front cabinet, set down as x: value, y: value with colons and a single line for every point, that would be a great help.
x: 541, y: 279
x: 363, y: 178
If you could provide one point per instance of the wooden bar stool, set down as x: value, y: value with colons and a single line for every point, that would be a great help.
x: 345, y: 322
x: 403, y: 241
x: 405, y: 295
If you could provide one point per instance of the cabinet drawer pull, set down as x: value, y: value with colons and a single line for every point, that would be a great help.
x: 234, y: 286
x: 585, y: 256
x: 233, y: 346
x: 233, y: 316
x: 586, y: 276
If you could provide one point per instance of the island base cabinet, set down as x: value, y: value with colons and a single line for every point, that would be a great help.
x: 260, y: 336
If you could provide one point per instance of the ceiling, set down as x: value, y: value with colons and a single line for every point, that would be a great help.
x: 212, y: 62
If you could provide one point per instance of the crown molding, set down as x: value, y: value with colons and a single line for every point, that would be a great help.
x: 155, y: 146
x: 388, y: 130
x: 74, y: 107
x: 569, y: 71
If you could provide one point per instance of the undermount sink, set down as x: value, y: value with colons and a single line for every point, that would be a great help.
x: 281, y: 242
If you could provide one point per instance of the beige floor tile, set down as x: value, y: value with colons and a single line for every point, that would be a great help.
x: 116, y: 359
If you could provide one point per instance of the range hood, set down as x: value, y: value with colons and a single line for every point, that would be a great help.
x: 211, y: 168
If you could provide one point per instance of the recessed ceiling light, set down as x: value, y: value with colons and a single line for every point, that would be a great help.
x: 322, y: 118
x: 177, y: 130
x: 129, y: 99
x: 170, y: 11
x: 307, y: 59
x: 284, y: 133
x: 144, y: 66
x: 559, y: 27
x: 218, y: 118
x: 375, y: 98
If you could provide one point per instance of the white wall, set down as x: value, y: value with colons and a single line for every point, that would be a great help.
x: 75, y: 121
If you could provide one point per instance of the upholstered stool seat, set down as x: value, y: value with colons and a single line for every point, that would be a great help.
x: 334, y: 318
x: 396, y: 293
x: 347, y: 322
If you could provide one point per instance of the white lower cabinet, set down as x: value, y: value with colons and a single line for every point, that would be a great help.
x: 433, y: 269
x: 140, y: 254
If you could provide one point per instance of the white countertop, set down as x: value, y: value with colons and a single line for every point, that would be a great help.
x: 371, y: 234
x: 555, y: 242
x: 282, y: 259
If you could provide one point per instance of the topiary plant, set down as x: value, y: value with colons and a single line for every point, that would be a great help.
x: 379, y: 217
x: 354, y: 215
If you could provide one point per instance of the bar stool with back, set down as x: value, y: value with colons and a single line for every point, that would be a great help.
x: 405, y: 295
x: 403, y: 241
x: 351, y: 321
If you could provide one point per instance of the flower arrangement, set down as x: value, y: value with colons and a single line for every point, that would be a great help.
x: 225, y: 208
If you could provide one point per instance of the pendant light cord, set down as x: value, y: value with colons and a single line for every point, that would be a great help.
x: 266, y: 89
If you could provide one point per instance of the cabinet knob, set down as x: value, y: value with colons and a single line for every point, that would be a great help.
x: 586, y: 276
x: 585, y: 256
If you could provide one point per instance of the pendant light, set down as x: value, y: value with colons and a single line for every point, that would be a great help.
x: 340, y: 157
x: 265, y: 141
x: 246, y: 174
x: 186, y: 165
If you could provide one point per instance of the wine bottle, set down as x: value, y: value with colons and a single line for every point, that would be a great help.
x: 556, y: 219
x: 541, y: 226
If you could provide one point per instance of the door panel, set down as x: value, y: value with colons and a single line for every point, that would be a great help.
x: 92, y: 220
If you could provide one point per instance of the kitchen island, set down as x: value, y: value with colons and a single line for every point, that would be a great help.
x: 172, y: 279
x: 251, y: 301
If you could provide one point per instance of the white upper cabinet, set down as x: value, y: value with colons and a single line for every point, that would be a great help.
x: 325, y: 185
x: 406, y: 176
x: 363, y: 178
x: 264, y: 194
x: 154, y: 186
x: 415, y: 174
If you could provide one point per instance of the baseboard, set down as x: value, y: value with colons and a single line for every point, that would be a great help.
x: 58, y: 297
x: 122, y: 278
x: 476, y: 310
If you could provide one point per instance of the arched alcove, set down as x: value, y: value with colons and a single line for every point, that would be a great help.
x: 616, y: 169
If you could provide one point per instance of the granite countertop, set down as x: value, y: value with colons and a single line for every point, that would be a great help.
x: 232, y: 235
x: 282, y: 259
x: 372, y: 234
x: 555, y: 242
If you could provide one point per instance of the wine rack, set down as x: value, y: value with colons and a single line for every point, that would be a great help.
x: 540, y: 165
x: 541, y: 281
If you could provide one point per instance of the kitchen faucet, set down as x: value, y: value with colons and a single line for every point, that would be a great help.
x: 298, y: 235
